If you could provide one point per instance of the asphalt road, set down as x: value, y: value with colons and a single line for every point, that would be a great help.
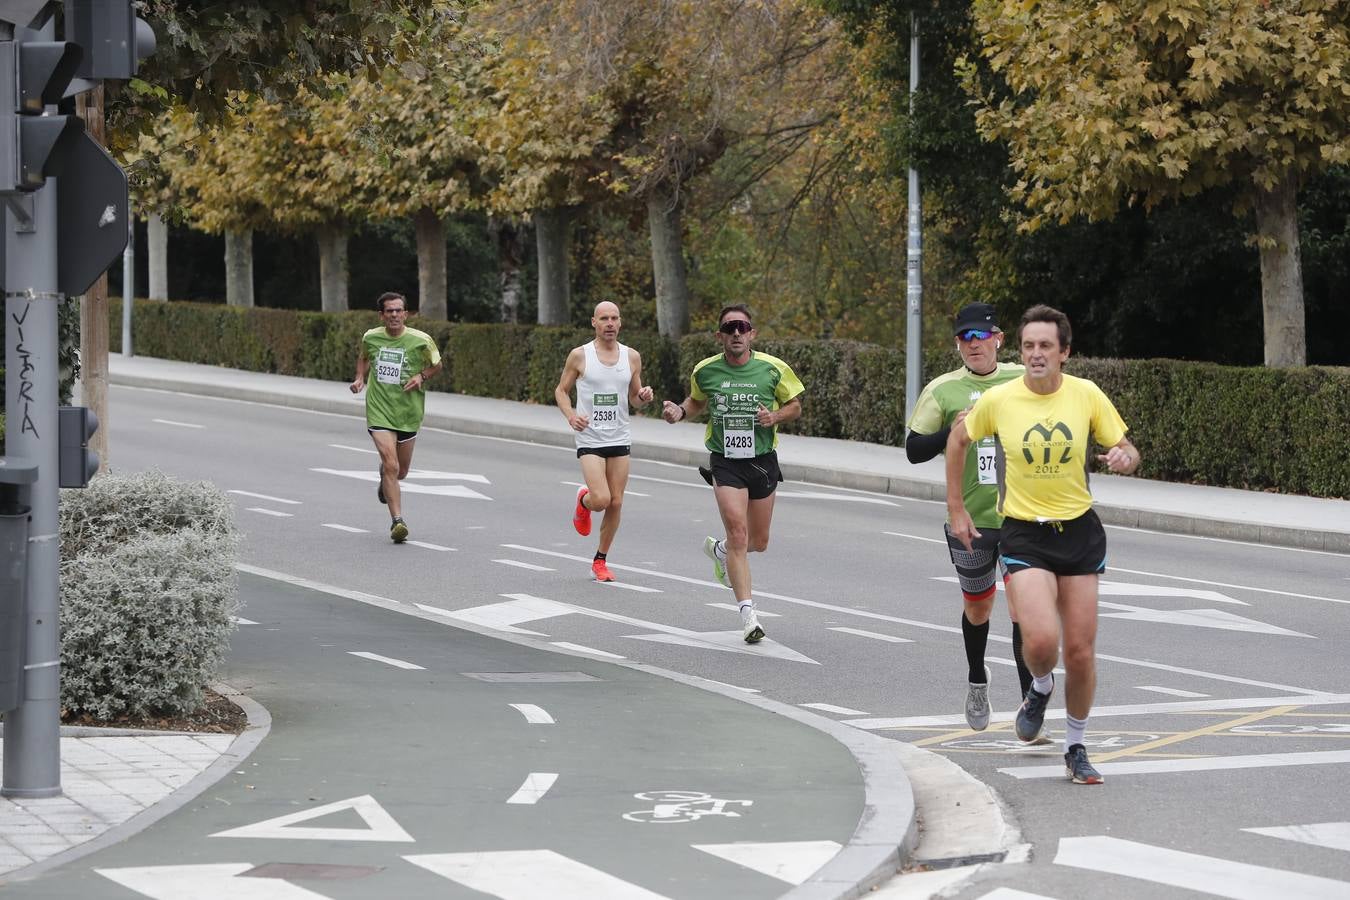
x: 1222, y: 719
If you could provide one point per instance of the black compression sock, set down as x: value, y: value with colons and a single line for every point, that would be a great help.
x: 976, y: 636
x: 1023, y: 673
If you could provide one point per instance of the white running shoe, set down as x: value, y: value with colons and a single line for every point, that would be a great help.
x: 977, y: 703
x: 753, y: 632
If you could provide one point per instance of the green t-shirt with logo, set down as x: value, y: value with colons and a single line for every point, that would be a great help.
x: 734, y: 394
x: 393, y: 361
x: 937, y: 406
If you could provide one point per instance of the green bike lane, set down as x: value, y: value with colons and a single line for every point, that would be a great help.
x: 408, y: 758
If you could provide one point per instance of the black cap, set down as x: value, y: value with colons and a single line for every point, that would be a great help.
x: 980, y: 316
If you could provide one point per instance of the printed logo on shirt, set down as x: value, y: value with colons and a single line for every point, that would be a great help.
x: 1040, y: 440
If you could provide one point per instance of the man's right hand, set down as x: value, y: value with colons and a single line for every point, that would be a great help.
x: 578, y: 421
x: 962, y: 527
x: 357, y: 385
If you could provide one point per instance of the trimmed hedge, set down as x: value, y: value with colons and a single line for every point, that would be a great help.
x: 1256, y: 428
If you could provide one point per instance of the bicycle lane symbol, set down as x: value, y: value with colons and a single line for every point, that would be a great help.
x: 682, y: 806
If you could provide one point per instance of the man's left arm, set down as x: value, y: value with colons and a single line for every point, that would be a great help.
x: 426, y: 373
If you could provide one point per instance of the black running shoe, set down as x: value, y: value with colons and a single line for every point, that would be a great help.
x: 1077, y: 767
x: 398, y: 531
x: 1031, y: 715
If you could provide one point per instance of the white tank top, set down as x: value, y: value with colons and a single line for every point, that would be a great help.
x: 602, y: 394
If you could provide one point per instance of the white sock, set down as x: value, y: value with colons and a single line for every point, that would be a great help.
x: 746, y: 604
x: 1073, y: 731
x: 720, y: 551
x: 1043, y: 684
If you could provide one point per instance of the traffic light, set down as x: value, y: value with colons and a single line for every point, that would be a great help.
x: 34, y: 75
x: 75, y: 426
x: 114, y: 40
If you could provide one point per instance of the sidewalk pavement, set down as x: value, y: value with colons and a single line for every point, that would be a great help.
x: 110, y: 776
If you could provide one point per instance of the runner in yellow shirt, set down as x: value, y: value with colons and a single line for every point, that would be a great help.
x: 1052, y: 542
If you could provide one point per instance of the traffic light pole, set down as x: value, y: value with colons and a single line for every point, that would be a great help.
x: 32, y: 742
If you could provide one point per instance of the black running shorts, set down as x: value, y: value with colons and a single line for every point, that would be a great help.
x: 759, y: 475
x: 605, y: 452
x: 1072, y: 547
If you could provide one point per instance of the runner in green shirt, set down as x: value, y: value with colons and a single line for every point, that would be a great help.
x: 749, y: 394
x: 403, y: 359
x: 943, y: 403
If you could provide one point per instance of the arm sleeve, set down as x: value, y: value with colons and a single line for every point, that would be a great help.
x: 923, y: 447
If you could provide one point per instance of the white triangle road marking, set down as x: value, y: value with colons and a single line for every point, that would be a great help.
x: 1333, y: 835
x: 518, y: 875
x: 380, y: 826
x: 534, y: 787
x: 790, y: 861
x: 1193, y: 871
x: 217, y: 881
x: 1197, y: 618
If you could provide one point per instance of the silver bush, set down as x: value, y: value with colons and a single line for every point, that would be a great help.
x: 148, y: 592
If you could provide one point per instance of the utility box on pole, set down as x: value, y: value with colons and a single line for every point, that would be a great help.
x: 15, y: 477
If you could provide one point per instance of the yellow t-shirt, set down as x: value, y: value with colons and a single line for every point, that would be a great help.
x: 1044, y: 446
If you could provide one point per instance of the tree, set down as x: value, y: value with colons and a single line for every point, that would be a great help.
x: 1105, y: 104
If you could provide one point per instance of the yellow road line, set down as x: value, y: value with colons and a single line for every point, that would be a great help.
x: 1199, y: 732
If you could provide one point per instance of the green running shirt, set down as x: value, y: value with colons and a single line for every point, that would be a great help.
x: 944, y: 397
x: 734, y: 394
x: 393, y: 361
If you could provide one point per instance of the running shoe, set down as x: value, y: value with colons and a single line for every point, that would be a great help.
x: 1077, y: 767
x: 379, y: 491
x: 581, y: 517
x: 753, y: 632
x: 398, y: 530
x: 1031, y: 715
x: 719, y: 566
x: 977, y: 703
x: 601, y: 571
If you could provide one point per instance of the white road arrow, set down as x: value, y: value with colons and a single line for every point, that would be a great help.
x: 410, y: 485
x: 1198, y: 618
x: 206, y: 882
x: 380, y: 826
x: 1335, y: 835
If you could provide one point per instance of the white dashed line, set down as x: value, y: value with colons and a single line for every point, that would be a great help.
x: 830, y: 708
x: 536, y: 785
x: 265, y: 497
x: 240, y: 620
x: 1171, y: 692
x: 336, y: 527
x: 524, y: 565
x: 425, y: 546
x: 871, y: 634
x: 177, y: 424
x: 271, y: 512
x: 535, y: 715
x: 387, y: 660
x: 736, y: 609
x: 355, y: 449
x: 632, y: 587
x: 591, y: 650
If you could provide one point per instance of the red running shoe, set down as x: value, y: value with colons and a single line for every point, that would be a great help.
x: 581, y: 518
x: 601, y: 571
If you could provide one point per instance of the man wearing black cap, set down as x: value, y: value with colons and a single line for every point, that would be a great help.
x: 943, y: 403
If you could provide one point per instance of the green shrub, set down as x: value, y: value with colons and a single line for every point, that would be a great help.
x: 491, y: 360
x: 148, y: 593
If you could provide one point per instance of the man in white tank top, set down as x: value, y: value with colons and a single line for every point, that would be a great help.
x: 607, y: 377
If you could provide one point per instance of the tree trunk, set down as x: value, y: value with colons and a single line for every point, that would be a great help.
x: 510, y: 239
x: 333, y: 268
x: 94, y: 307
x: 1281, y: 275
x: 239, y: 267
x: 430, y: 230
x: 665, y: 215
x: 157, y: 248
x: 550, y: 239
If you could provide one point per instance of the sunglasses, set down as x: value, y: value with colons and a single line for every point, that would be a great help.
x: 736, y: 326
x: 974, y: 334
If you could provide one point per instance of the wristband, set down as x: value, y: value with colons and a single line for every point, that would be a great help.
x: 683, y: 413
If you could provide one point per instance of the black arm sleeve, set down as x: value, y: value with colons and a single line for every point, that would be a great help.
x: 923, y: 447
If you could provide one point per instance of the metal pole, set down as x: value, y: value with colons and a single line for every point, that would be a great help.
x: 128, y: 284
x: 914, y: 253
x: 32, y: 763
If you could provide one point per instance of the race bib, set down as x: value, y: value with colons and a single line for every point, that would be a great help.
x: 389, y: 366
x: 738, y: 437
x: 604, y: 412
x: 987, y: 464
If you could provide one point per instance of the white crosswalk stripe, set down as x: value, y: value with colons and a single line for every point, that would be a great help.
x: 518, y: 874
